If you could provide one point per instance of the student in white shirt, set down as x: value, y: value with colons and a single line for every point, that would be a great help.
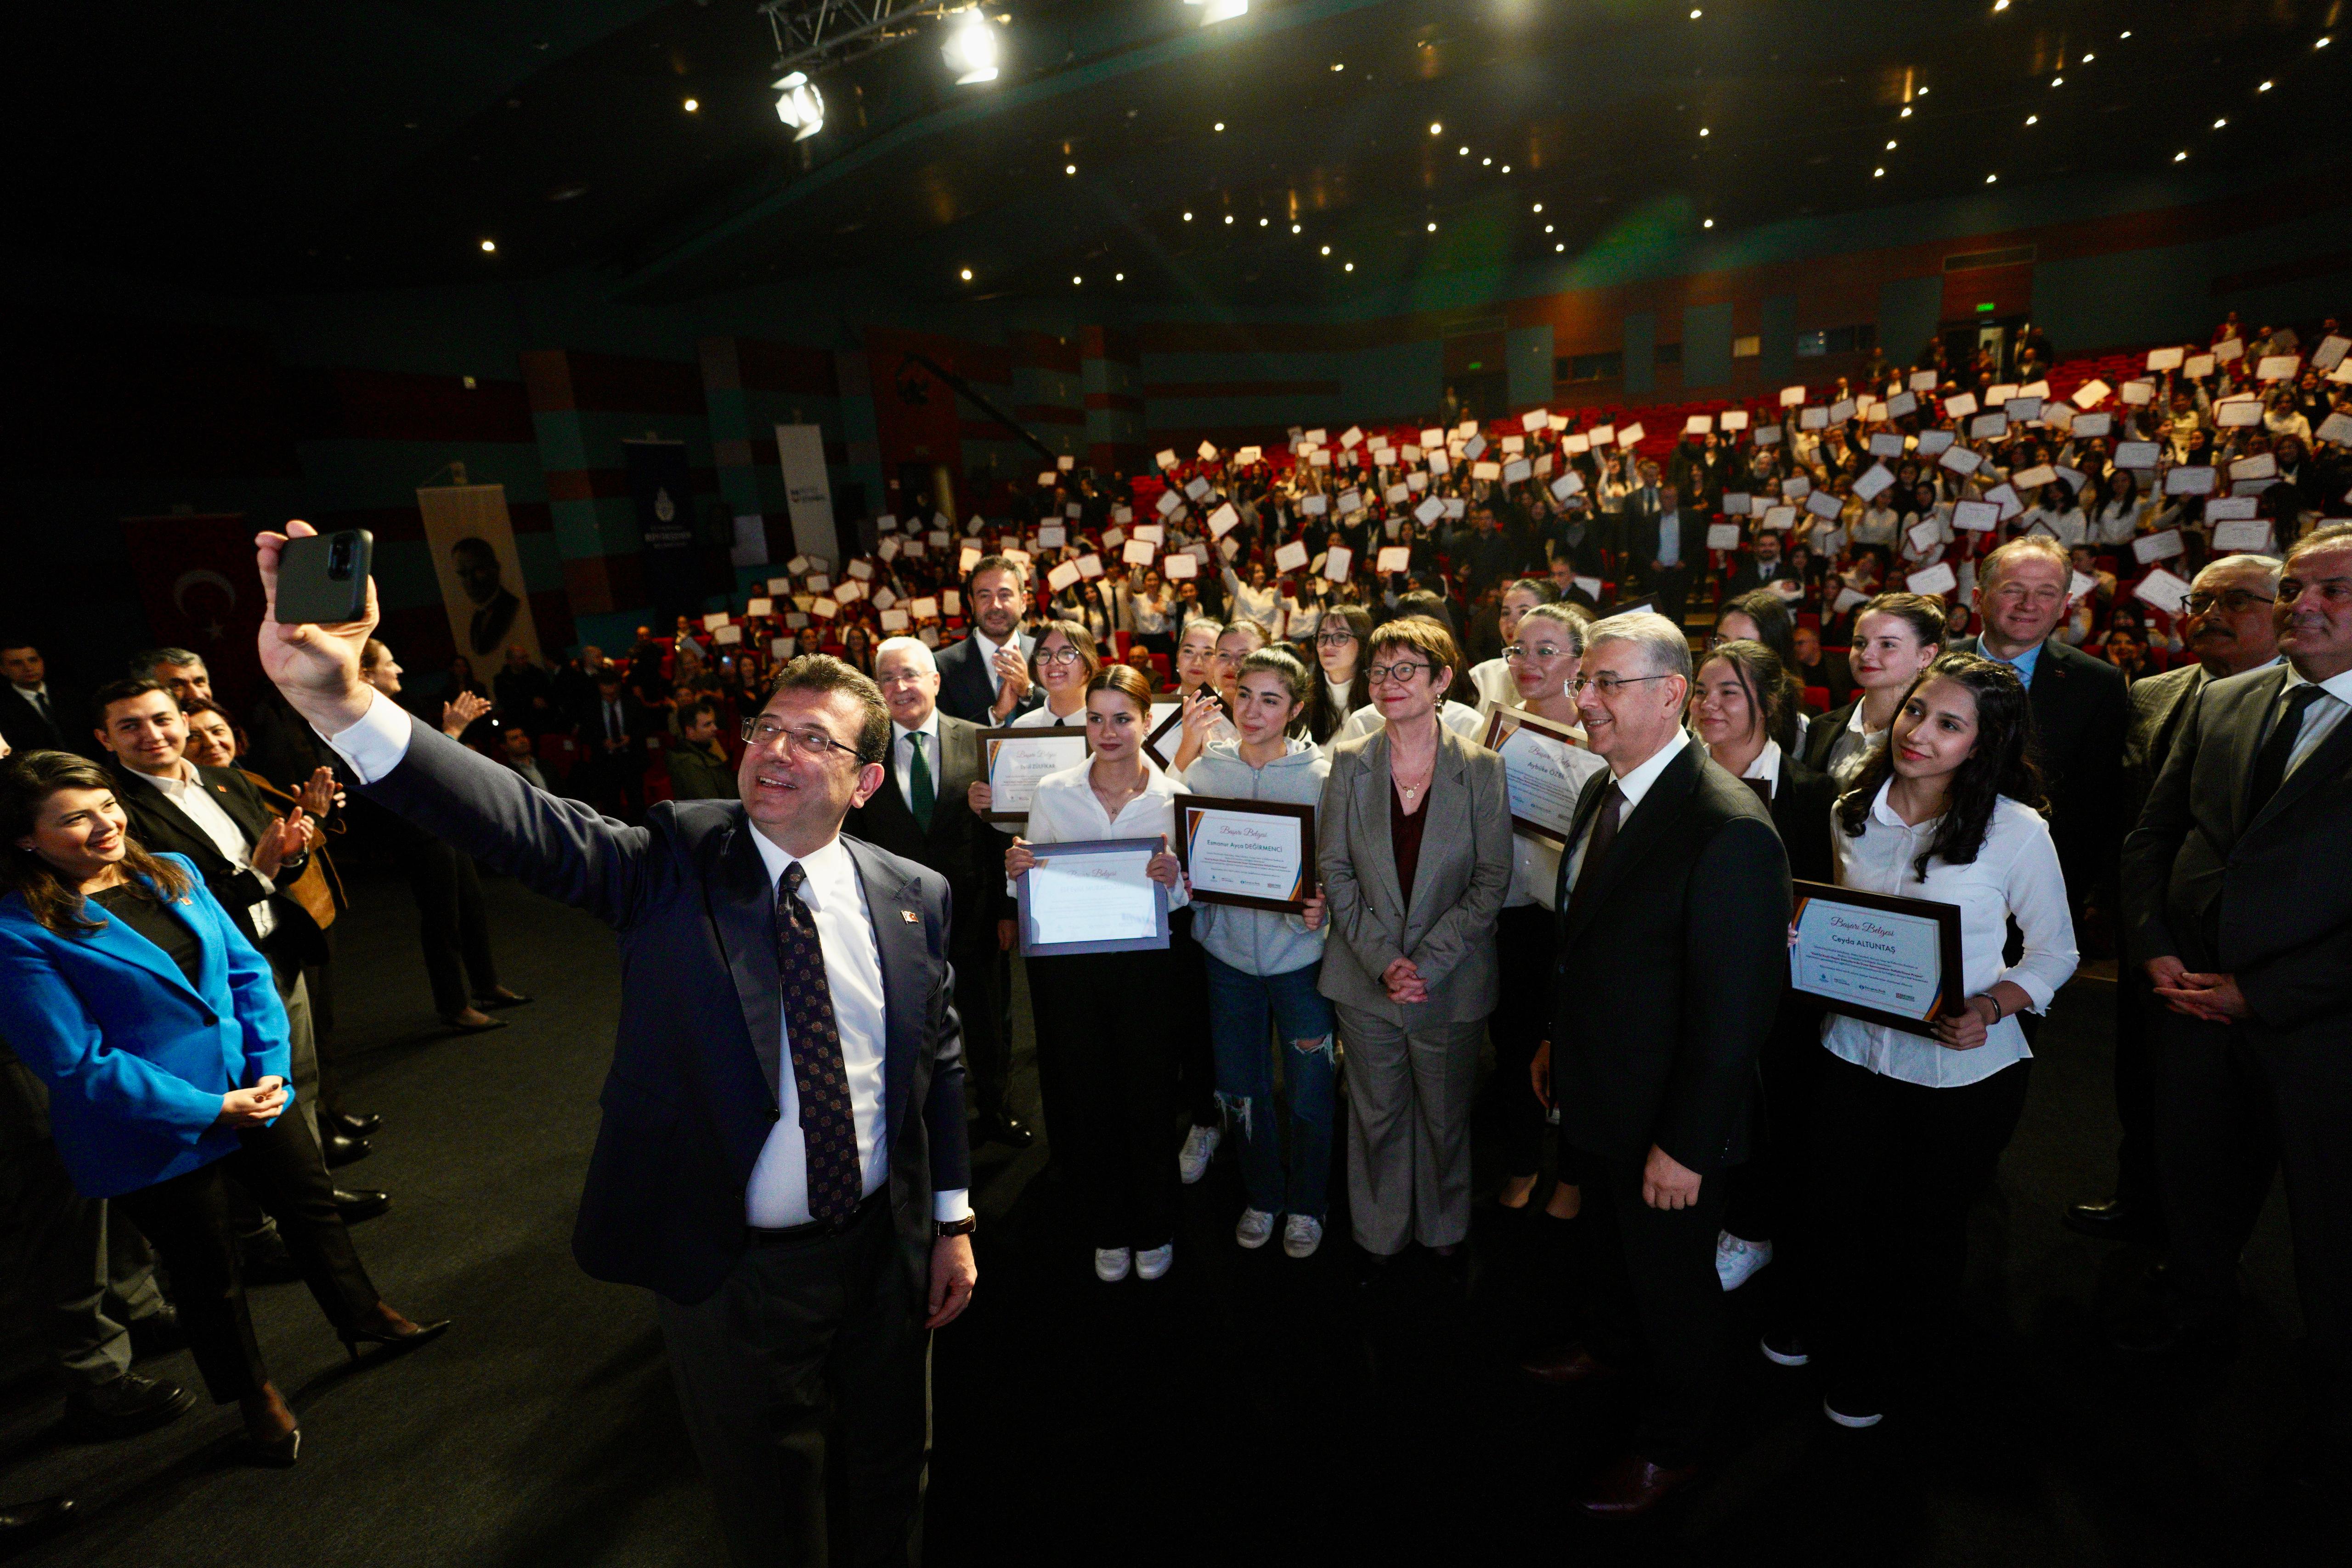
x: 1896, y: 637
x: 1909, y: 1124
x: 1545, y: 648
x: 1061, y: 663
x: 1153, y: 606
x: 1256, y: 601
x: 1100, y: 1014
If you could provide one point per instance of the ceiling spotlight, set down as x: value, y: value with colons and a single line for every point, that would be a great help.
x: 2265, y: 87
x: 2032, y: 120
x: 1463, y: 150
x: 2088, y: 59
x: 1708, y: 225
x: 1560, y: 247
x: 1229, y: 218
x: 1907, y: 112
x: 692, y: 104
x: 1702, y: 131
x: 1326, y: 250
x: 1118, y: 278
x: 1992, y: 178
x: 1188, y: 217
x: 1298, y: 229
x: 2219, y: 123
x: 1890, y: 145
x: 1432, y: 228
x: 1349, y: 268
x: 1875, y: 173
x: 489, y: 245
x: 1537, y: 208
x: 1219, y: 126
x: 1485, y: 163
x: 1436, y: 128
x: 1548, y: 228
x: 1077, y: 280
x: 2180, y: 157
x: 801, y: 105
x: 970, y: 51
x: 1069, y: 168
x: 1261, y: 223
x: 1215, y: 11
x: 2057, y: 81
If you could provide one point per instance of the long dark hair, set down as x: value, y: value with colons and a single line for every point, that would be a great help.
x: 27, y: 783
x: 1324, y: 714
x: 1764, y: 680
x: 2001, y: 763
x: 1776, y: 630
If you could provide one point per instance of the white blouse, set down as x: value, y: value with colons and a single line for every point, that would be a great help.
x: 2015, y: 873
x: 1065, y: 811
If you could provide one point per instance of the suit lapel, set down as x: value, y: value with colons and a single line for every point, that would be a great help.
x: 906, y: 995
x: 1445, y: 790
x: 2333, y: 756
x: 743, y: 909
x: 1372, y: 803
x: 199, y: 844
x: 1641, y: 830
x: 2246, y: 742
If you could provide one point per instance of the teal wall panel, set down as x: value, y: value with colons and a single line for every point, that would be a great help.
x: 1706, y: 345
x: 1641, y: 341
x: 1909, y: 310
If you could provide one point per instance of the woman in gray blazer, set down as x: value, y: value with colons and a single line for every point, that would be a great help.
x: 1415, y: 845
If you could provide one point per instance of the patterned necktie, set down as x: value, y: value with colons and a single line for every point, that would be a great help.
x: 836, y: 1180
x: 2269, y: 762
x: 921, y: 795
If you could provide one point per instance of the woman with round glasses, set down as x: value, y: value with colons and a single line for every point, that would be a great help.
x: 1064, y: 658
x: 1546, y: 646
x: 1415, y: 845
x: 1494, y: 682
x: 1340, y: 638
x: 1103, y: 1017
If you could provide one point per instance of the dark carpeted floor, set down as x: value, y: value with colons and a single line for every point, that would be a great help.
x: 1246, y: 1408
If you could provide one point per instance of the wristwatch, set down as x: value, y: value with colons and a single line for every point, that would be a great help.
x: 964, y: 1227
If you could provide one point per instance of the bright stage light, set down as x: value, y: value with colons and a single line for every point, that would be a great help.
x: 801, y: 105
x: 970, y: 51
x: 1215, y: 11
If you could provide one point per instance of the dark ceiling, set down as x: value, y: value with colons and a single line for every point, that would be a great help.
x: 265, y: 146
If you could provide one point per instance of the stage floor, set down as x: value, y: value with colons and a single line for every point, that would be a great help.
x: 1246, y: 1408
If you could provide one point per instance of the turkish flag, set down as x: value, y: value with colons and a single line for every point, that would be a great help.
x: 197, y: 581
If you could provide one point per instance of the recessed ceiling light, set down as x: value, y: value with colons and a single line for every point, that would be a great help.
x: 1890, y: 145
x: 1298, y: 229
x: 1339, y: 65
x: 1229, y: 218
x: 489, y: 245
x: 1349, y: 268
x: 1560, y: 247
x: 2320, y: 45
x: 2000, y: 4
x: 1907, y: 112
x: 1436, y: 128
x: 2032, y: 120
x: 1262, y: 223
x: 1875, y: 173
x: 1548, y: 228
x: 1219, y: 126
x: 1702, y: 131
x: 1696, y: 12
x: 1077, y: 280
x: 1432, y: 228
x: 967, y: 274
x: 1923, y: 92
x: 1708, y: 225
x: 1069, y: 168
x: 1537, y: 208
x: 2265, y: 87
x: 1326, y: 250
x: 2088, y: 59
x: 2180, y: 157
x: 2219, y: 123
x: 1990, y: 178
x: 692, y: 104
x: 1506, y: 169
x: 1485, y: 163
x: 2057, y: 81
x: 1118, y: 278
x: 1188, y: 217
x: 2125, y: 33
x: 1464, y: 152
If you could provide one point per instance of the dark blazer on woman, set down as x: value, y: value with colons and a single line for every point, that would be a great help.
x: 135, y: 1056
x: 1802, y: 799
x: 1671, y: 969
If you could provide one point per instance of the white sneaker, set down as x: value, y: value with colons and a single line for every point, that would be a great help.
x: 1255, y: 1226
x: 1735, y: 1261
x: 1111, y: 1264
x: 1154, y: 1262
x: 1200, y: 1148
x: 1855, y: 1423
x: 1301, y: 1234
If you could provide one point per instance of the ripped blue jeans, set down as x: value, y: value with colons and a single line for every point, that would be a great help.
x: 1240, y: 1009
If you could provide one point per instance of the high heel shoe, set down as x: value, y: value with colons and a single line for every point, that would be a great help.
x: 389, y: 1343
x: 276, y: 1453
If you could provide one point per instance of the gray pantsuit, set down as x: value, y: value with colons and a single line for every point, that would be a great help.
x: 1411, y: 1067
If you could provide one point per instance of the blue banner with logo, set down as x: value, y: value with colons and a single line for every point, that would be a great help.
x: 663, y: 490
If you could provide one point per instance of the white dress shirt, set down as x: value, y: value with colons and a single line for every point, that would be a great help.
x: 777, y: 1195
x: 1043, y: 716
x: 2319, y: 720
x: 2015, y: 873
x: 1767, y: 766
x: 1632, y: 786
x: 194, y: 799
x: 988, y: 657
x: 902, y: 755
x: 1065, y: 811
x: 1852, y: 748
x: 38, y: 697
x: 1460, y: 717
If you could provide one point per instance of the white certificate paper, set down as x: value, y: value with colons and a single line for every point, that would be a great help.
x: 1537, y: 776
x: 1244, y: 855
x: 1868, y: 958
x: 1093, y: 897
x: 1016, y: 760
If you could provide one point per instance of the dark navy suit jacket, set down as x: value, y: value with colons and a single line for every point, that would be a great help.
x: 698, y: 1057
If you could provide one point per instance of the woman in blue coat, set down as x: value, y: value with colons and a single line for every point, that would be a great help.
x: 128, y: 990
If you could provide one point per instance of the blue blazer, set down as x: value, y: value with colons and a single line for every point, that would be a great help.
x: 135, y: 1058
x: 698, y: 1057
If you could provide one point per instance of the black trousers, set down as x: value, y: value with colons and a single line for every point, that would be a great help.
x: 1526, y: 937
x: 1103, y: 1046
x: 2138, y: 1182
x: 1769, y: 1193
x: 806, y: 1385
x: 1187, y: 1001
x: 187, y: 1219
x: 1654, y: 1300
x: 1669, y: 589
x: 1895, y: 1168
x: 987, y: 1048
x: 452, y: 924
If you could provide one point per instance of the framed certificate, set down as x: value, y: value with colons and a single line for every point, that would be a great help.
x: 1534, y: 752
x: 1258, y: 854
x: 1167, y: 736
x: 1016, y: 759
x: 1884, y: 960
x: 1092, y: 896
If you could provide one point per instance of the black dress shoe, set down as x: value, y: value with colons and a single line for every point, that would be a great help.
x: 342, y: 1149
x: 157, y: 1333
x: 363, y: 1203
x: 124, y: 1407
x: 2114, y: 1219
x: 21, y: 1523
x: 353, y: 1127
x: 390, y: 1343
x: 503, y: 1000
x: 1007, y: 1129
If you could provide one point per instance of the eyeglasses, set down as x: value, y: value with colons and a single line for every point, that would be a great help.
x: 1334, y: 639
x: 1058, y: 655
x: 807, y: 742
x: 2233, y: 600
x: 1610, y: 685
x: 1541, y: 651
x: 1381, y: 675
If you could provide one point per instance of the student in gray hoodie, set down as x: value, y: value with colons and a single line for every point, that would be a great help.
x: 1262, y: 963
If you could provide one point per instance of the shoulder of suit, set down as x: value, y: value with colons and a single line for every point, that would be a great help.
x: 2256, y: 684
x: 873, y: 857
